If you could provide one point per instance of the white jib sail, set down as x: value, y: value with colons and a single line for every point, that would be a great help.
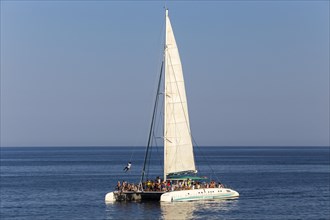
x: 178, y: 149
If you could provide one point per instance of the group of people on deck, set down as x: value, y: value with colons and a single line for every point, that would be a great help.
x: 170, y: 185
x: 125, y: 186
x: 164, y: 185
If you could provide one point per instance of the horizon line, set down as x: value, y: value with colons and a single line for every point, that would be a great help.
x: 140, y: 146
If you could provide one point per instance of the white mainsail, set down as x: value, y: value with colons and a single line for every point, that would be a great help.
x: 178, y: 148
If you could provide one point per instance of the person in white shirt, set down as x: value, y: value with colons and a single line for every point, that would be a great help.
x: 128, y: 166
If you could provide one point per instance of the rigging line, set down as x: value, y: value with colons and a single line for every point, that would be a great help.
x: 132, y: 154
x: 154, y: 141
x: 148, y: 162
x: 150, y: 153
x: 206, y: 159
x: 158, y: 154
x: 157, y: 122
x: 152, y: 122
x: 161, y: 57
x: 157, y: 125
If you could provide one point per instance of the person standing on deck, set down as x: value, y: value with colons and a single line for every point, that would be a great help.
x: 118, y: 185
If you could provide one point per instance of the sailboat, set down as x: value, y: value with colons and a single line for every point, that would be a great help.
x: 179, y: 162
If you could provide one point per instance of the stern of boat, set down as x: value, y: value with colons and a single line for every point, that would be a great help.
x: 110, y: 197
x: 166, y: 197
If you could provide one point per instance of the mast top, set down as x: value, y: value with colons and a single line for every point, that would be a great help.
x: 166, y: 12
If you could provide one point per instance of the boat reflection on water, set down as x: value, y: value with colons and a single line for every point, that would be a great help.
x: 171, y: 210
x: 194, y: 209
x: 179, y: 210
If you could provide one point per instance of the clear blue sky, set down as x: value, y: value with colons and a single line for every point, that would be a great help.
x: 83, y: 73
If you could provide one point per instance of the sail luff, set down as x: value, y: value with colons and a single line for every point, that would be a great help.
x: 178, y: 149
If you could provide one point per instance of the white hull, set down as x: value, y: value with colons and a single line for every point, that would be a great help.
x: 110, y: 197
x: 199, y: 194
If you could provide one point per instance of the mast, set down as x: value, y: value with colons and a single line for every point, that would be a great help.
x: 164, y: 135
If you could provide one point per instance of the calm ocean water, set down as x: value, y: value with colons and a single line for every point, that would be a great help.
x: 71, y: 182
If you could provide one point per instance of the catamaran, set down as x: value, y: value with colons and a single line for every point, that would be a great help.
x: 180, y: 173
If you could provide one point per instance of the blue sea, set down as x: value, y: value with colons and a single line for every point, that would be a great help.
x: 71, y: 182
